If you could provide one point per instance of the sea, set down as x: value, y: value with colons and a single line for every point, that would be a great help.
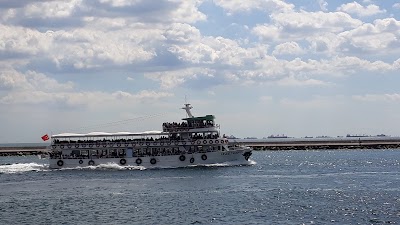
x: 278, y: 187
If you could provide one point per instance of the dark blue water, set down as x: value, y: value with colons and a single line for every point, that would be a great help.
x: 291, y: 187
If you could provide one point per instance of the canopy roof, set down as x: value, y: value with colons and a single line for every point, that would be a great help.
x: 200, y: 118
x: 104, y: 134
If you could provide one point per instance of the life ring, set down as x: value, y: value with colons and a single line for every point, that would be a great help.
x: 122, y: 161
x: 91, y: 163
x: 192, y: 160
x: 147, y: 143
x: 211, y: 141
x: 69, y: 146
x: 76, y: 145
x: 138, y: 161
x: 119, y: 145
x: 204, y: 157
x: 183, y: 142
x: 60, y: 163
x: 198, y: 142
x: 83, y: 145
x: 53, y: 146
x: 97, y: 145
x: 126, y: 144
x: 141, y: 143
x: 182, y: 158
x: 90, y: 145
x: 161, y: 143
x: 80, y: 161
x: 226, y: 141
x: 111, y: 144
x: 205, y: 142
x: 104, y: 145
x: 153, y: 161
x: 169, y: 143
x: 61, y: 146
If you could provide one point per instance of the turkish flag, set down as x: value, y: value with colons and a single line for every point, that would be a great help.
x: 45, y: 137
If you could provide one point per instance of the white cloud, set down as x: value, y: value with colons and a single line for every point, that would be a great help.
x: 306, y: 21
x: 288, y: 48
x: 171, y: 79
x: 323, y: 5
x: 36, y: 88
x: 210, y: 50
x: 381, y: 36
x: 293, y: 26
x: 184, y: 33
x: 357, y: 9
x: 396, y: 6
x: 294, y: 81
x: 234, y: 6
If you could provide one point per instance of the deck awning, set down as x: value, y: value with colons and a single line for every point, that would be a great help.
x: 105, y: 134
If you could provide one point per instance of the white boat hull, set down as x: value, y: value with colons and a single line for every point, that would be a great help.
x: 239, y: 157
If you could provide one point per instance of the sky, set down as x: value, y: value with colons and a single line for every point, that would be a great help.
x: 262, y: 67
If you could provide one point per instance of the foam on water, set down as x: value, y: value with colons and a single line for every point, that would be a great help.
x: 23, y: 167
x: 28, y: 167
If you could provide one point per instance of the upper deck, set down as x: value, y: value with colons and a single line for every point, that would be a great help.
x: 191, y: 123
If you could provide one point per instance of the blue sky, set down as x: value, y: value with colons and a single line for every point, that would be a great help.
x: 300, y: 68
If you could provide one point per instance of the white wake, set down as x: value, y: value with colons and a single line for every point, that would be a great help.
x: 23, y: 167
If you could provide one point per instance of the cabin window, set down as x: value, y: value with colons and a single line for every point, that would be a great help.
x: 104, y: 153
x: 113, y: 152
x: 93, y: 152
x: 84, y: 153
x: 75, y: 153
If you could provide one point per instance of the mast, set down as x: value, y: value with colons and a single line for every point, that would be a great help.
x: 188, y: 108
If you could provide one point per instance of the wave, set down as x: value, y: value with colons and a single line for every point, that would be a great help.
x: 23, y: 167
x: 29, y: 167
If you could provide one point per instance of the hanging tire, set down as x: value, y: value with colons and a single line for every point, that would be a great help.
x: 81, y: 161
x: 91, y: 163
x: 182, y: 158
x: 60, y: 163
x: 204, y: 157
x: 153, y: 161
x: 138, y: 161
x: 192, y: 160
x: 122, y: 161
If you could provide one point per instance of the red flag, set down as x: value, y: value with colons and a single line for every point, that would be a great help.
x: 45, y: 137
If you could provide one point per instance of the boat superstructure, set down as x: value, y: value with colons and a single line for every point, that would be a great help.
x: 194, y: 141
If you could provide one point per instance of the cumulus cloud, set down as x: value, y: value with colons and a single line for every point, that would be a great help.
x: 359, y: 10
x: 36, y: 88
x: 234, y: 6
x: 380, y: 36
x: 288, y: 48
x: 292, y: 26
x: 171, y: 79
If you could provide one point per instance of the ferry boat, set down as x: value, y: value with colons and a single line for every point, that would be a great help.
x: 195, y: 141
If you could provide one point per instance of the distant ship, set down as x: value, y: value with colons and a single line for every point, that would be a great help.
x: 357, y: 135
x: 278, y: 136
